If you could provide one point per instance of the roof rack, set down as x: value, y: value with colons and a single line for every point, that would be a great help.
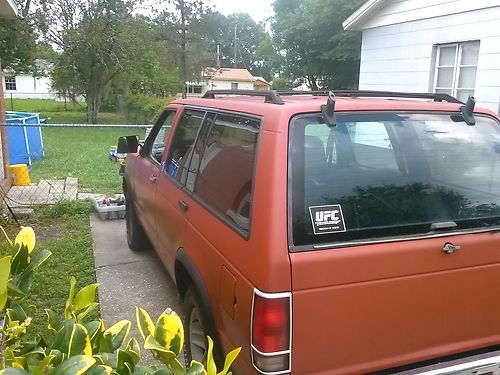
x: 271, y: 96
x: 437, y: 97
x: 274, y: 96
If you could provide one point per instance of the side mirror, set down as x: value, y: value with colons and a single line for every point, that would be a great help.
x: 128, y: 144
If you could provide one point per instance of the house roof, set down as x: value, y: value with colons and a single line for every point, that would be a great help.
x: 363, y: 13
x: 8, y: 9
x: 376, y: 13
x: 261, y: 79
x: 228, y: 74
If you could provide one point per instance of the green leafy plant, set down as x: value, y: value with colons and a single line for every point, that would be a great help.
x: 76, y: 345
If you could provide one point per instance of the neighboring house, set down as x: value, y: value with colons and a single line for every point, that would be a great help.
x: 29, y: 86
x: 261, y: 84
x: 447, y: 46
x: 221, y: 79
x: 8, y: 9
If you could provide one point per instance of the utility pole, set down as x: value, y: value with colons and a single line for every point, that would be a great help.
x: 218, y: 56
x: 235, y: 48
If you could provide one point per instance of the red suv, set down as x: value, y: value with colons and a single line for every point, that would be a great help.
x: 332, y: 233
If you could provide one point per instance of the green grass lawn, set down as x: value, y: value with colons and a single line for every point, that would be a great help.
x: 64, y: 229
x: 60, y: 113
x: 76, y: 152
x: 81, y: 153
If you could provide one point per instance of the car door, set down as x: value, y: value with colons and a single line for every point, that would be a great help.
x: 172, y: 200
x: 148, y: 170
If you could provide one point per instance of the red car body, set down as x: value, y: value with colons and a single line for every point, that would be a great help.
x: 332, y: 308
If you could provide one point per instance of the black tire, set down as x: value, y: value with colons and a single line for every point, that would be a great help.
x: 137, y: 239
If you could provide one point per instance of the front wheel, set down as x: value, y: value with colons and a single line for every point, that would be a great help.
x: 137, y: 239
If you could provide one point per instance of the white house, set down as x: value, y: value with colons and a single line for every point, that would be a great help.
x: 28, y: 86
x: 447, y: 46
x: 221, y: 79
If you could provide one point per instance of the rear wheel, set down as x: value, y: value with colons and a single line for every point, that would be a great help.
x: 137, y: 239
x: 195, y: 328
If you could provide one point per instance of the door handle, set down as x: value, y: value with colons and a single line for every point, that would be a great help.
x: 449, y: 248
x: 153, y: 178
x: 183, y: 206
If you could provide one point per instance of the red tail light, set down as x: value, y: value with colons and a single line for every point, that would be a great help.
x: 271, y: 336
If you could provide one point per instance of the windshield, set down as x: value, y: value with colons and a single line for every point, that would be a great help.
x: 378, y: 175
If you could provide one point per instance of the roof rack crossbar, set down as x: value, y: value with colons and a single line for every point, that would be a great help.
x: 437, y: 97
x: 271, y: 96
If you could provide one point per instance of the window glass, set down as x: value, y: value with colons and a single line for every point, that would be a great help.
x: 225, y: 176
x: 447, y: 55
x: 198, y: 151
x: 470, y: 53
x: 182, y: 145
x: 393, y: 174
x: 456, y: 69
x: 234, y: 85
x: 10, y: 83
x: 157, y: 146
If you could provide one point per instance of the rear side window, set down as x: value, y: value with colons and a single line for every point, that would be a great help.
x: 226, y: 168
x: 383, y: 174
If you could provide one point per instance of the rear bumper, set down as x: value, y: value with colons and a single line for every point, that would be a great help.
x: 479, y: 364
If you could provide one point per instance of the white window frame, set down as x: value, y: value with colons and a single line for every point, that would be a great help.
x: 456, y: 67
x: 12, y: 81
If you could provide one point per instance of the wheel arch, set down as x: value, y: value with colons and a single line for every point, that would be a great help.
x: 186, y: 275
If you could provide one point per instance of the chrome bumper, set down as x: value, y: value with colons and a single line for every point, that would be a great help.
x: 482, y: 364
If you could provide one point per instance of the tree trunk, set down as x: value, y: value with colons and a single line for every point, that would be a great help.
x: 93, y: 105
x: 311, y: 80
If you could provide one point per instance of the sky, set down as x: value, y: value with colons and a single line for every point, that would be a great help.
x: 259, y: 10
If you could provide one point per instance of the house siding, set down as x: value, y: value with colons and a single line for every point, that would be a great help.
x: 29, y: 87
x: 398, y: 11
x: 221, y: 85
x: 400, y: 56
x: 226, y: 85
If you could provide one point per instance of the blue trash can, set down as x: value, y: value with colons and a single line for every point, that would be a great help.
x: 25, y: 142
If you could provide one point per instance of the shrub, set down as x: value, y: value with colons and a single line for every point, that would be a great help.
x: 75, y: 345
x: 144, y: 109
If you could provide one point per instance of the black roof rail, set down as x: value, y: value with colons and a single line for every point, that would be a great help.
x: 271, y: 96
x: 437, y: 97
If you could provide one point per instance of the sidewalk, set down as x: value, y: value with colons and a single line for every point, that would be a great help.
x: 127, y: 279
x: 46, y: 192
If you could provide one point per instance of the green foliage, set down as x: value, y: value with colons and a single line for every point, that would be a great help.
x: 315, y: 48
x: 175, y: 24
x: 144, y: 109
x: 98, y: 43
x: 17, y: 45
x: 78, y: 346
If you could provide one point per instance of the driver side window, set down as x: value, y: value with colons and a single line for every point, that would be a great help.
x: 157, y: 145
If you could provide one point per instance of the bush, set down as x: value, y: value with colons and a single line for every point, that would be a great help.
x: 144, y: 109
x: 74, y: 345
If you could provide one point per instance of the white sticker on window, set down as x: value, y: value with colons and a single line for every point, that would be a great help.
x: 327, y: 219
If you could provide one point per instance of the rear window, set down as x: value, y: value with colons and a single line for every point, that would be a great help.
x: 379, y: 175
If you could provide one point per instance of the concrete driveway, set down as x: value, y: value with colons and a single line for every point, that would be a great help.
x: 128, y: 279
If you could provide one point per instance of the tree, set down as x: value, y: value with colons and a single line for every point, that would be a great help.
x: 238, y: 37
x: 97, y: 42
x: 315, y: 48
x: 175, y: 25
x: 18, y: 40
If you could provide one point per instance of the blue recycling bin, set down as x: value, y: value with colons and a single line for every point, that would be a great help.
x: 25, y: 142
